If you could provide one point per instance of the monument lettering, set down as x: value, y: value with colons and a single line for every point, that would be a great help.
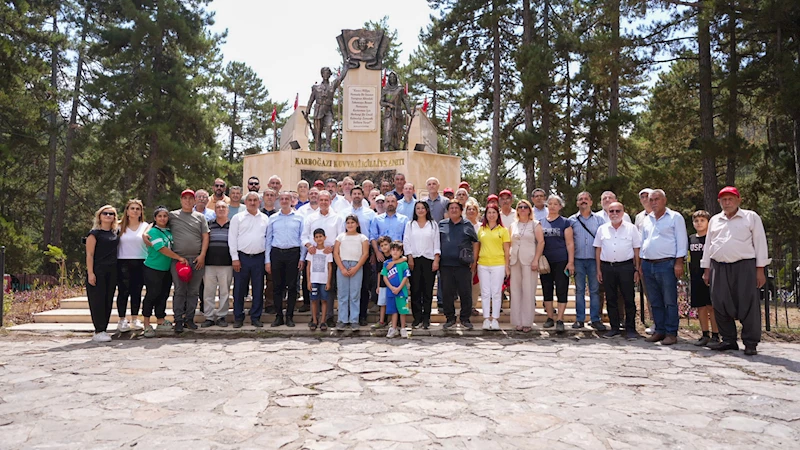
x: 362, y: 108
x: 371, y: 163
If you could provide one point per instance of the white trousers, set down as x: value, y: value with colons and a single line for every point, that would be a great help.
x: 216, y: 278
x: 491, y: 278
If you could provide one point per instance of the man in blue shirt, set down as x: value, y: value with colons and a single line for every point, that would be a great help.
x: 284, y: 257
x: 405, y: 205
x: 387, y: 224
x: 664, y: 247
x: 584, y: 228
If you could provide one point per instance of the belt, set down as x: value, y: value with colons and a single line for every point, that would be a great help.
x: 252, y: 255
x: 286, y: 250
x: 656, y: 261
x: 620, y: 263
x: 735, y: 262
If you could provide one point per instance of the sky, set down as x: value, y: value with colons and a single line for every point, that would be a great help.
x: 287, y: 42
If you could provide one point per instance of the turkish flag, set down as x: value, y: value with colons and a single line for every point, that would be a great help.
x: 274, y: 113
x: 449, y: 114
x: 425, y: 105
x: 296, y: 100
x: 406, y: 88
x: 383, y: 80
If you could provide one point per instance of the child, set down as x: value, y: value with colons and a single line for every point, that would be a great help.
x: 350, y: 253
x: 318, y: 273
x: 701, y: 297
x: 385, y: 245
x: 396, y: 279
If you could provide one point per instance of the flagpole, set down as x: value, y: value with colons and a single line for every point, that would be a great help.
x: 275, y: 136
x: 449, y: 136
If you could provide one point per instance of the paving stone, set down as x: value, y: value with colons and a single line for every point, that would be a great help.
x: 246, y: 403
x: 165, y: 395
x: 741, y: 423
x: 391, y: 433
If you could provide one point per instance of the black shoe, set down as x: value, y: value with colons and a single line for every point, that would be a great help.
x: 611, y: 333
x: 190, y: 325
x: 632, y: 335
x: 289, y: 322
x: 560, y: 326
x: 304, y: 308
x: 704, y: 340
x: 178, y: 327
x: 208, y: 323
x: 467, y: 324
x: 270, y: 310
x: 330, y: 322
x: 599, y: 326
x: 237, y: 324
x: 577, y: 325
x: 426, y: 324
x: 722, y: 346
x: 256, y: 323
x: 449, y: 324
x: 277, y: 322
x: 549, y: 323
x: 362, y: 322
x: 714, y: 338
x: 222, y: 322
x: 416, y: 324
x: 750, y: 350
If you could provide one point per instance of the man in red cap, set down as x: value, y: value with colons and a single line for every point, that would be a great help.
x: 492, y: 198
x: 507, y: 214
x: 464, y: 185
x: 449, y: 193
x: 734, y: 258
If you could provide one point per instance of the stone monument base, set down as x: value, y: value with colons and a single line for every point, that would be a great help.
x: 295, y: 165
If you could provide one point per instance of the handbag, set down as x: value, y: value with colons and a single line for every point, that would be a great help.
x: 466, y: 256
x: 544, y: 265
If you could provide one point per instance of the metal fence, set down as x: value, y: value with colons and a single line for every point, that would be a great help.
x: 779, y: 296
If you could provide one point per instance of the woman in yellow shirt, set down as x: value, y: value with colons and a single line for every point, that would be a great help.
x: 493, y: 264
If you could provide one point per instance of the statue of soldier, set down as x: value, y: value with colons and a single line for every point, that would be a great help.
x: 323, y: 94
x: 395, y: 105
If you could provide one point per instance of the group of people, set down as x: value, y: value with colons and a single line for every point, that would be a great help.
x: 384, y: 246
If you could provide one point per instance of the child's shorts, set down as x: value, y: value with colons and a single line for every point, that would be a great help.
x: 318, y: 292
x: 382, y: 296
x: 391, y: 306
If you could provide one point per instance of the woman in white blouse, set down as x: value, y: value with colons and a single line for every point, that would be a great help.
x: 527, y: 245
x: 422, y: 245
x: 131, y: 254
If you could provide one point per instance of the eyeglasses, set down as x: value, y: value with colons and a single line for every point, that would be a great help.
x: 610, y: 211
x: 219, y: 185
x: 108, y: 213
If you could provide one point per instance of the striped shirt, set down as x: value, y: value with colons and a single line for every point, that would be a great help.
x: 218, y: 253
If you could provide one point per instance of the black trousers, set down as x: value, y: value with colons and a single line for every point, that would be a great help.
x: 456, y: 281
x: 735, y: 296
x: 130, y: 279
x: 556, y: 278
x: 284, y: 277
x: 101, y: 296
x: 158, y: 284
x: 619, y: 278
x: 368, y: 283
x: 422, y: 279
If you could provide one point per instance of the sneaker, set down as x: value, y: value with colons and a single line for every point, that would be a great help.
x: 354, y: 326
x: 416, y: 324
x: 714, y: 339
x: 149, y: 332
x: 403, y: 333
x: 179, y: 327
x: 449, y: 324
x: 391, y: 333
x: 340, y: 326
x: 495, y: 325
x: 577, y: 325
x: 101, y: 337
x: 487, y: 324
x: 221, y: 322
x: 378, y: 325
x: 611, y: 333
x: 549, y: 323
x: 426, y: 324
x: 208, y: 323
x: 190, y: 325
x: 137, y: 324
x: 560, y: 326
x: 722, y: 346
x: 123, y: 326
x: 467, y: 324
x: 599, y: 326
x: 167, y: 325
x: 632, y: 335
x: 650, y: 331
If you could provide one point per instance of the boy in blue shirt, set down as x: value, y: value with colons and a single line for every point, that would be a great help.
x: 397, y: 282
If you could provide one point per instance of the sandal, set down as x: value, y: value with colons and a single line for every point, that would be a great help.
x: 519, y: 328
x: 526, y: 329
x: 323, y: 327
x: 312, y: 326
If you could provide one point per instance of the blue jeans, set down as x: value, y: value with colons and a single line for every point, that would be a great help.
x: 662, y: 290
x: 586, y: 268
x: 349, y: 289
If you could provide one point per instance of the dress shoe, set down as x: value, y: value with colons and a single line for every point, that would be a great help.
x: 704, y: 340
x: 599, y: 326
x: 237, y: 324
x: 222, y: 322
x: 178, y: 326
x: 190, y: 325
x: 256, y: 323
x: 362, y: 322
x: 656, y: 337
x: 290, y: 322
x: 208, y: 323
x: 750, y: 350
x: 669, y: 340
x: 611, y: 333
x: 724, y: 345
x: 277, y: 322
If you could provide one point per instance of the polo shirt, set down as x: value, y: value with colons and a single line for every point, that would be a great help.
x: 187, y: 232
x: 218, y: 253
x: 160, y: 238
x: 492, y: 252
x: 453, y: 237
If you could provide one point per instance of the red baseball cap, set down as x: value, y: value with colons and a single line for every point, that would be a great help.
x: 187, y: 192
x: 184, y: 272
x: 463, y: 184
x: 728, y: 190
x: 319, y: 183
x: 490, y: 198
x: 506, y: 192
x: 448, y: 191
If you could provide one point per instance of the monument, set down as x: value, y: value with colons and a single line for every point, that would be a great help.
x: 409, y: 138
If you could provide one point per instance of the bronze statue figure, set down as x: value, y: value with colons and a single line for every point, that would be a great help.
x: 395, y: 106
x: 323, y: 94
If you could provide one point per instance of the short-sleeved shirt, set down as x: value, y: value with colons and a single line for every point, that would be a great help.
x: 159, y: 238
x: 396, y: 275
x: 105, y: 249
x: 617, y: 244
x: 351, y: 246
x: 696, y: 246
x: 187, y: 232
x: 492, y: 240
x: 555, y: 244
x: 319, y: 266
x: 453, y: 237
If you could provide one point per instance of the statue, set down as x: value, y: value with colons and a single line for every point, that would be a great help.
x: 395, y: 105
x: 323, y: 94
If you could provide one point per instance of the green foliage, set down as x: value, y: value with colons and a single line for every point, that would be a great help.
x: 60, y: 258
x: 22, y: 256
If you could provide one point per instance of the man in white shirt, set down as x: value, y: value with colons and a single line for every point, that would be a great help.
x: 664, y: 248
x: 247, y: 245
x: 734, y: 258
x: 507, y: 214
x: 606, y: 199
x: 539, y: 200
x: 313, y: 203
x: 201, y: 205
x: 617, y: 245
x: 644, y: 199
x: 333, y: 224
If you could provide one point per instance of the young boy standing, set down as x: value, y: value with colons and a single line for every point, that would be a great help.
x: 397, y: 282
x: 319, y: 271
x: 701, y: 297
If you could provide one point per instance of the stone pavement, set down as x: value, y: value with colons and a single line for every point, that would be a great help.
x: 469, y: 392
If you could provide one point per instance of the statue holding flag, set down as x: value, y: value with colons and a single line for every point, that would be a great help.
x: 394, y: 101
x: 323, y: 94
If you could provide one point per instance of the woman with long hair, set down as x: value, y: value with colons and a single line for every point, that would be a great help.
x: 527, y: 245
x: 493, y: 265
x: 421, y: 242
x: 101, y: 269
x: 559, y: 248
x: 130, y: 264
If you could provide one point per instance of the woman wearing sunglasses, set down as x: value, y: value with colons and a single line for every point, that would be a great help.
x: 101, y: 269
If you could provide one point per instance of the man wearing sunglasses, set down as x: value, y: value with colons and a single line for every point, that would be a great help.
x: 219, y: 192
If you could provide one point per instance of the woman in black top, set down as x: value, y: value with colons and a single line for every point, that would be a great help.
x: 101, y: 269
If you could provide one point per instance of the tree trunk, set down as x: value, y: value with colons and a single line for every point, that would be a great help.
x: 707, y: 112
x: 527, y: 109
x: 592, y: 138
x: 544, y: 157
x: 568, y: 121
x: 495, y: 157
x: 50, y: 200
x: 796, y: 127
x: 154, y: 158
x: 733, y: 99
x: 71, y: 131
x: 233, y: 124
x: 613, y: 126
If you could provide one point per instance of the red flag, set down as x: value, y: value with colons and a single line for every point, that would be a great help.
x: 383, y: 80
x: 296, y: 100
x: 274, y: 113
x: 406, y: 87
x: 425, y: 105
x: 449, y: 114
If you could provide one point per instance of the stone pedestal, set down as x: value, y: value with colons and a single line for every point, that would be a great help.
x: 296, y: 129
x: 361, y: 112
x: 423, y: 132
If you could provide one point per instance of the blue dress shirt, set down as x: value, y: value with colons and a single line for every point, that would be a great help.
x: 365, y: 216
x: 406, y: 208
x: 385, y: 225
x: 584, y: 241
x: 285, y: 231
x: 664, y: 237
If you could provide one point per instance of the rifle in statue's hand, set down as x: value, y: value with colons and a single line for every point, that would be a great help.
x: 408, y: 127
x: 308, y: 121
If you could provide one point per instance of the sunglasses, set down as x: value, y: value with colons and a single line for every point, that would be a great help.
x: 614, y: 211
x: 107, y: 213
x: 522, y: 207
x: 253, y: 184
x: 219, y: 185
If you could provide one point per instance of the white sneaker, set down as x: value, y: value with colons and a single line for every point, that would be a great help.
x: 123, y: 326
x: 495, y: 325
x: 101, y: 337
x: 391, y: 333
x: 487, y: 324
x: 403, y: 333
x: 137, y: 324
x: 650, y: 331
